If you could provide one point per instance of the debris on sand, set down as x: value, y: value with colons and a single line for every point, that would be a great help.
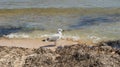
x: 68, y: 56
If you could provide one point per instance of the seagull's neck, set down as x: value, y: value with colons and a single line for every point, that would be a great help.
x: 59, y: 32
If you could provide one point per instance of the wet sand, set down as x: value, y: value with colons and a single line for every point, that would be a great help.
x: 36, y: 43
x: 33, y: 43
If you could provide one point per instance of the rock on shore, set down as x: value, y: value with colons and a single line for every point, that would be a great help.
x: 78, y: 55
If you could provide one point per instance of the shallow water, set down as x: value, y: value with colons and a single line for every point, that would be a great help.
x: 96, y: 26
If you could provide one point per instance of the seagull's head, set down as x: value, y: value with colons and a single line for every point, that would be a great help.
x: 60, y: 30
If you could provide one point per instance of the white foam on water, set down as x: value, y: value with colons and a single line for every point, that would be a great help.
x: 16, y: 35
x: 65, y: 37
x: 73, y: 38
x: 95, y: 39
x: 45, y: 35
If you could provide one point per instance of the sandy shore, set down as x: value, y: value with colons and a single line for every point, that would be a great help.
x: 36, y: 43
x: 33, y: 43
x: 78, y: 55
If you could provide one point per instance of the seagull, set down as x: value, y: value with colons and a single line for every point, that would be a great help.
x: 55, y: 37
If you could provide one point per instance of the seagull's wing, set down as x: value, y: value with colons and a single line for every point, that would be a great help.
x: 53, y: 38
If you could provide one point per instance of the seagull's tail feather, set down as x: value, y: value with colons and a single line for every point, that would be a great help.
x: 46, y: 40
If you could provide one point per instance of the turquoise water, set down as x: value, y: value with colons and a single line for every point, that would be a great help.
x: 99, y: 25
x: 104, y: 26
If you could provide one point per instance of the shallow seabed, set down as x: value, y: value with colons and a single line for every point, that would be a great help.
x: 85, y: 23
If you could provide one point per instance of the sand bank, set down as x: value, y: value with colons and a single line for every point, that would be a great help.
x: 31, y: 43
x: 36, y: 43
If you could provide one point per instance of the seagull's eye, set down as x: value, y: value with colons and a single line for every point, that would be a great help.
x: 60, y: 30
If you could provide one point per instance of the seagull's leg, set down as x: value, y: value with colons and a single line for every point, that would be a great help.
x: 55, y: 43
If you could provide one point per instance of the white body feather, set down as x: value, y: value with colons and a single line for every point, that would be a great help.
x: 55, y: 37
